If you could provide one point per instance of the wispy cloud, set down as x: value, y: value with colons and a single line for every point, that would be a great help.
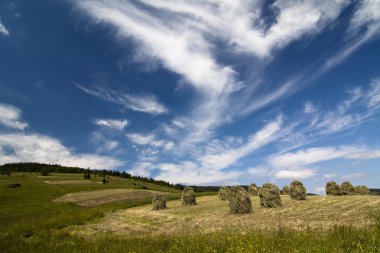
x: 141, y: 103
x: 295, y: 173
x: 10, y: 117
x: 112, y: 123
x: 351, y: 176
x: 3, y: 30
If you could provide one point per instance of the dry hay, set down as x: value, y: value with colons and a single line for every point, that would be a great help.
x: 347, y: 188
x: 159, y: 202
x: 270, y: 195
x: 240, y: 202
x: 100, y: 197
x: 285, y: 190
x: 253, y: 189
x: 297, y: 190
x: 333, y: 189
x: 188, y: 197
x: 224, y: 192
x: 361, y: 190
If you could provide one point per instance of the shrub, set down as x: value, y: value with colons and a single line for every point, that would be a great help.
x: 45, y: 172
x: 224, y: 192
x: 361, y: 190
x: 297, y: 191
x: 159, y: 202
x: 14, y: 185
x: 347, y: 188
x: 144, y: 187
x: 333, y: 189
x: 188, y: 197
x: 87, y: 176
x: 105, y: 180
x: 270, y: 195
x: 253, y: 189
x: 285, y: 190
x: 240, y: 202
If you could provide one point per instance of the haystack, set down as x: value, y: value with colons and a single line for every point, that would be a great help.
x: 270, y: 195
x: 188, y: 197
x: 333, y: 189
x: 224, y: 192
x: 285, y: 190
x: 253, y: 189
x: 297, y: 190
x: 159, y: 202
x: 347, y: 188
x: 240, y: 201
x: 361, y: 190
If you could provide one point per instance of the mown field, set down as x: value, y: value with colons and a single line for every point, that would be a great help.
x: 65, y: 213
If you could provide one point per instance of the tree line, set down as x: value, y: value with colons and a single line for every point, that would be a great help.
x: 42, y: 168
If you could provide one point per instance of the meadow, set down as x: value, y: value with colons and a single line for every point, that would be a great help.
x: 46, y: 214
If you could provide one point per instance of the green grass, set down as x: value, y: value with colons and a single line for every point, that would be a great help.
x: 28, y: 211
x: 31, y: 222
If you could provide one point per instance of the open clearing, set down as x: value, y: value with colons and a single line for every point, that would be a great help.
x: 211, y: 214
x: 99, y: 197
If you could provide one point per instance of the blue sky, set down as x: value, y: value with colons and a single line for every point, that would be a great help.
x: 208, y: 92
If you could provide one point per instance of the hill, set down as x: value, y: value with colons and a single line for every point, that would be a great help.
x: 9, y: 168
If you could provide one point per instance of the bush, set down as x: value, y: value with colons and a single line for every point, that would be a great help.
x: 347, y: 188
x: 333, y: 189
x: 14, y: 185
x: 224, y: 192
x: 253, y: 189
x: 240, y: 202
x: 45, y: 172
x: 361, y: 190
x: 105, y: 180
x: 285, y: 190
x: 270, y: 195
x: 297, y: 190
x: 144, y: 187
x: 159, y: 202
x: 188, y: 197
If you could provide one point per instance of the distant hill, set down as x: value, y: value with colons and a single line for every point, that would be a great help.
x: 377, y: 191
x: 47, y: 168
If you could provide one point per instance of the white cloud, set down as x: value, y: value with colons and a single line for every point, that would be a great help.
x: 141, y: 139
x: 182, y: 35
x: 320, y: 154
x: 221, y: 158
x: 141, y: 103
x: 10, y: 117
x: 295, y: 173
x: 103, y: 144
x: 44, y: 149
x: 308, y: 107
x: 259, y: 171
x: 330, y: 175
x: 3, y: 30
x: 351, y: 176
x: 112, y: 123
x: 189, y: 172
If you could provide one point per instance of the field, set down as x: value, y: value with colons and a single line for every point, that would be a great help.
x: 66, y: 213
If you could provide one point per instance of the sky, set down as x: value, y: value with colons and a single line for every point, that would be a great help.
x: 211, y: 92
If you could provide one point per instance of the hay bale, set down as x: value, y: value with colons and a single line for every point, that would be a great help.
x: 159, y: 202
x: 333, y: 189
x: 188, y: 197
x: 224, y: 192
x: 347, y: 188
x: 253, y: 189
x: 285, y: 190
x: 297, y: 191
x: 361, y: 190
x: 270, y: 195
x: 240, y: 202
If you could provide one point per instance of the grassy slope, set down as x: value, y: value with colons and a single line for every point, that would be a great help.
x: 29, y: 210
x: 31, y: 222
